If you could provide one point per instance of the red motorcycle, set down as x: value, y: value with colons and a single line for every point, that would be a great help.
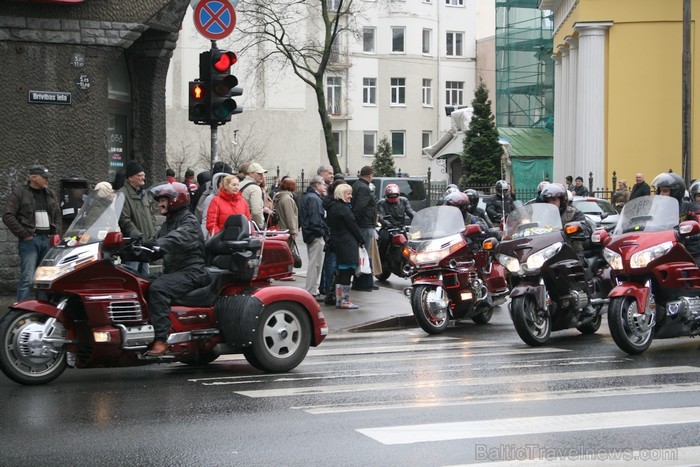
x: 452, y: 276
x: 658, y: 283
x: 96, y: 314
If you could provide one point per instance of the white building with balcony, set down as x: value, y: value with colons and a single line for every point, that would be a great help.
x: 410, y: 59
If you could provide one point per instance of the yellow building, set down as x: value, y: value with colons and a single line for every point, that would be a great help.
x: 618, y: 93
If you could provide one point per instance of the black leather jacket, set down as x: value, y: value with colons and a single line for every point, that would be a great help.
x: 181, y: 242
x: 394, y: 214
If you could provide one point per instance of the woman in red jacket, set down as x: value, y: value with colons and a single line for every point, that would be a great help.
x: 228, y: 201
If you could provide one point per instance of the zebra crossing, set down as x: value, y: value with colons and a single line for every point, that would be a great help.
x: 462, y: 386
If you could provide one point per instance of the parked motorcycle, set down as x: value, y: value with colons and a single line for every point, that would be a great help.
x: 550, y: 290
x: 658, y: 282
x: 451, y: 276
x: 97, y: 315
x: 393, y: 260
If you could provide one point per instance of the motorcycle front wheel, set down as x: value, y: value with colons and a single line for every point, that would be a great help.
x: 430, y: 307
x: 483, y: 317
x: 282, y: 339
x: 533, y: 325
x: 631, y: 331
x: 24, y: 357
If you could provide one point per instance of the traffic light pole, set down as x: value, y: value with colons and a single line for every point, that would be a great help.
x: 214, y: 137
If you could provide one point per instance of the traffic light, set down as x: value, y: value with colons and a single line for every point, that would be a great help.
x: 199, y: 102
x: 215, y: 68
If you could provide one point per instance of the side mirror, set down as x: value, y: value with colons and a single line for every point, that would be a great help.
x: 472, y: 230
x: 603, y: 215
x: 113, y: 240
x: 600, y: 237
x: 688, y: 228
x: 490, y: 244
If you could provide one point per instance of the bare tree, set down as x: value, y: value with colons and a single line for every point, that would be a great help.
x: 244, y: 146
x: 181, y: 157
x: 292, y: 31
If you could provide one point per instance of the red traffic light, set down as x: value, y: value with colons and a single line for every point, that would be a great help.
x: 224, y: 61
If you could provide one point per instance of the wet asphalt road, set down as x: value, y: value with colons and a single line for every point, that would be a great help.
x: 473, y: 394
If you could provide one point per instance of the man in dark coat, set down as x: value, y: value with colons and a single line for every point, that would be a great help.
x: 579, y: 188
x: 136, y: 219
x: 314, y: 230
x: 640, y: 188
x: 179, y: 241
x: 32, y: 215
x: 364, y: 208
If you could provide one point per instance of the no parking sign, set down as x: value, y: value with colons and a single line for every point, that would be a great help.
x: 214, y: 19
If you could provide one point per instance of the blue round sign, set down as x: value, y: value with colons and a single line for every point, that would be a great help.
x: 214, y: 19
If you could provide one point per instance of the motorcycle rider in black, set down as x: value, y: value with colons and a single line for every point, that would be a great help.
x: 555, y: 193
x: 179, y: 241
x: 393, y: 209
x: 671, y: 184
x: 500, y: 204
x: 474, y: 208
x: 461, y: 201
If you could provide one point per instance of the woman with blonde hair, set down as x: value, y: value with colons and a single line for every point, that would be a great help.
x: 621, y: 195
x: 228, y: 201
x: 346, y: 239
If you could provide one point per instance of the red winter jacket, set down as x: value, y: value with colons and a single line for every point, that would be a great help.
x: 223, y: 205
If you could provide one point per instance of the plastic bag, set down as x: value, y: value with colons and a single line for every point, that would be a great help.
x: 363, y: 266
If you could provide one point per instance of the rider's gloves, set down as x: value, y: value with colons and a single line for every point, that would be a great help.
x: 150, y: 244
x: 135, y: 235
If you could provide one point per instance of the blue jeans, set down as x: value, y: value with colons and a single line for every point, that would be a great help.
x: 329, y: 267
x: 138, y: 266
x: 31, y: 252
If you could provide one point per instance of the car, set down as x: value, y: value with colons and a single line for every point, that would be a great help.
x: 411, y: 188
x: 599, y: 210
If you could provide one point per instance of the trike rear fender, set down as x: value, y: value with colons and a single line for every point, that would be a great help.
x: 278, y: 293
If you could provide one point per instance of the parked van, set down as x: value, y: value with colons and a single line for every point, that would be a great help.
x: 412, y: 188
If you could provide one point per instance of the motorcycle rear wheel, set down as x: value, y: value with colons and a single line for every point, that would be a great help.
x: 430, y: 322
x: 386, y: 272
x: 534, y: 326
x: 282, y: 339
x: 483, y: 317
x: 23, y: 357
x: 631, y: 331
x: 592, y: 326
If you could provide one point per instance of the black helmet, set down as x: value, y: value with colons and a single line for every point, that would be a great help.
x: 458, y: 200
x: 502, y: 187
x: 555, y: 191
x: 670, y: 180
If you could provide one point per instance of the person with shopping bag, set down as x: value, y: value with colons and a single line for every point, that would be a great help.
x: 346, y: 239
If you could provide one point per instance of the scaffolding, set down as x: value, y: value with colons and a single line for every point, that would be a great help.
x: 524, y: 66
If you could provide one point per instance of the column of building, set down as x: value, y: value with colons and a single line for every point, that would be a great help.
x: 564, y: 156
x: 558, y: 169
x: 590, y: 100
x: 574, y: 162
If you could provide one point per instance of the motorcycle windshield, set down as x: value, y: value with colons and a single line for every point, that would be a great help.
x: 96, y: 218
x: 436, y: 222
x: 648, y: 214
x: 532, y: 220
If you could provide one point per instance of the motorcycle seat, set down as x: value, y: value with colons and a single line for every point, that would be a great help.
x: 205, y: 296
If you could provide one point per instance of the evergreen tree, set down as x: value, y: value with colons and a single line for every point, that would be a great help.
x: 383, y: 163
x: 481, y: 156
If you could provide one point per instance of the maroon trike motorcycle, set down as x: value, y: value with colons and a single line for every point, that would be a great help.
x: 96, y: 313
x: 657, y: 293
x: 452, y: 276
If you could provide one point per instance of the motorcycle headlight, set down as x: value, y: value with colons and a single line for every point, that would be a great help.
x: 613, y: 259
x: 538, y: 259
x: 641, y: 258
x: 508, y: 262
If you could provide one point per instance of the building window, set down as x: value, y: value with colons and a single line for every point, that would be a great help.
x: 398, y: 91
x: 333, y: 94
x: 427, y: 33
x: 369, y: 91
x: 397, y: 39
x: 368, y: 40
x: 337, y: 137
x: 398, y: 139
x: 455, y: 42
x: 427, y: 92
x: 454, y: 93
x: 427, y: 139
x: 369, y: 143
x: 454, y: 2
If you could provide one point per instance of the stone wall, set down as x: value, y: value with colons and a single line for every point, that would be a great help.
x: 58, y: 48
